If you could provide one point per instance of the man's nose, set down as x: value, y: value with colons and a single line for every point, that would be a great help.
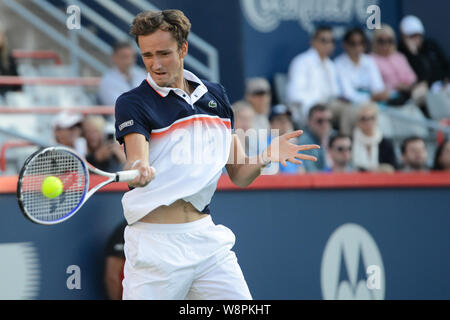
x: 157, y: 63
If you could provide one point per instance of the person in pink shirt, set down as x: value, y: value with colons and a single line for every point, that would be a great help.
x: 398, y: 76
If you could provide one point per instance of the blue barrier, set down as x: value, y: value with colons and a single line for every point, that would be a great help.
x: 291, y: 244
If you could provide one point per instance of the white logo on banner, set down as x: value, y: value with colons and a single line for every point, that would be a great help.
x: 266, y: 15
x: 19, y: 270
x: 352, y: 267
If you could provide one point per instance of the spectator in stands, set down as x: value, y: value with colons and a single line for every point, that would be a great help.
x: 243, y: 115
x: 280, y: 119
x: 243, y: 124
x: 104, y: 152
x: 424, y: 55
x: 358, y: 72
x: 359, y: 77
x: 7, y: 64
x: 371, y: 151
x: 398, y: 76
x: 67, y: 132
x: 124, y: 76
x: 442, y: 156
x: 114, y: 263
x: 414, y: 154
x: 318, y: 131
x: 312, y: 79
x: 340, y: 151
x: 259, y: 94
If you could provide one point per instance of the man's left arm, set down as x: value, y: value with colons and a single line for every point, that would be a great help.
x: 243, y: 170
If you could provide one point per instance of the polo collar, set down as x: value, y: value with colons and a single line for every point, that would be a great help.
x: 189, y: 76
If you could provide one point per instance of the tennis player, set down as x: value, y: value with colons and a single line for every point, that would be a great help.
x: 182, y: 127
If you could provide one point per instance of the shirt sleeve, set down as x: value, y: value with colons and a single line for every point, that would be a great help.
x: 229, y: 109
x: 376, y: 81
x: 131, y: 118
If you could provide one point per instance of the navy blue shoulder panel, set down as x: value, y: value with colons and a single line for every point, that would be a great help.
x: 142, y: 109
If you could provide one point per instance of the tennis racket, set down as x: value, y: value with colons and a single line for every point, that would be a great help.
x: 73, y: 171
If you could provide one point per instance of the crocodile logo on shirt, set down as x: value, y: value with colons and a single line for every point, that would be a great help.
x: 212, y: 104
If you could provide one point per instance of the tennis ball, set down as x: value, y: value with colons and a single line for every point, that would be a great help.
x: 52, y: 187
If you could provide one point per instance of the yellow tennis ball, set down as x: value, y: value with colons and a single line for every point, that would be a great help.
x: 52, y: 187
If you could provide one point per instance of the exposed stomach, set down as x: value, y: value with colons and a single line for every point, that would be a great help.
x: 178, y: 212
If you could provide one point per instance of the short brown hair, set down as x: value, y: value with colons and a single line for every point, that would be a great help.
x: 173, y: 21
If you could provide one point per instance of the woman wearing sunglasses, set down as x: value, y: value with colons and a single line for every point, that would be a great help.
x: 398, y: 76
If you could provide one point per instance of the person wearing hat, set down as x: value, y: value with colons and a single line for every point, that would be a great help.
x: 67, y: 131
x: 259, y: 95
x: 424, y: 55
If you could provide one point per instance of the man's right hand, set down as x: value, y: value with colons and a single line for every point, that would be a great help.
x: 147, y: 174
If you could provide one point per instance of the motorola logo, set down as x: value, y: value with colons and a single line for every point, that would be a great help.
x: 352, y: 267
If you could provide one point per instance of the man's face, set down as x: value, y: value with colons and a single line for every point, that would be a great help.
x: 67, y: 136
x: 243, y: 119
x: 260, y: 101
x: 355, y: 46
x: 340, y: 152
x: 415, y: 155
x: 124, y: 59
x: 324, y: 43
x: 320, y: 123
x: 282, y: 123
x: 162, y: 58
x: 413, y: 42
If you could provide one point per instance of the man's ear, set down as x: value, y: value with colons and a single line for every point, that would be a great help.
x: 184, y: 50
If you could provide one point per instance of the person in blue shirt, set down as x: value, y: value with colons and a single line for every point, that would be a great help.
x: 318, y: 131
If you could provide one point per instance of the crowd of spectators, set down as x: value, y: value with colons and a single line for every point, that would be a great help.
x: 338, y: 102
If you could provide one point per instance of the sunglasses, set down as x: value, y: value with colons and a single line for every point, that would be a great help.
x: 356, y: 43
x: 321, y: 121
x: 327, y: 40
x: 383, y: 41
x: 366, y: 119
x: 260, y: 93
x: 342, y: 149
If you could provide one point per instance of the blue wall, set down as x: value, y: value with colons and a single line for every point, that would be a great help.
x: 281, y: 237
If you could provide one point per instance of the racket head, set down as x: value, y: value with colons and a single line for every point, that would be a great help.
x: 59, y: 162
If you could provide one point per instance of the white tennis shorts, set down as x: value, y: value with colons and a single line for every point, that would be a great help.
x: 182, y: 261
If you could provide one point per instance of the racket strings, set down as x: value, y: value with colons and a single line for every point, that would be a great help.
x: 63, y: 165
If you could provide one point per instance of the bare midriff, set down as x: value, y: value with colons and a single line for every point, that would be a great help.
x: 178, y: 212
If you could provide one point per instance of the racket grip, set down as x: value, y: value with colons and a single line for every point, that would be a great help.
x: 126, y: 176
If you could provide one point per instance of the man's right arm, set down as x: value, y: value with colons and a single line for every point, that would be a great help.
x: 137, y: 150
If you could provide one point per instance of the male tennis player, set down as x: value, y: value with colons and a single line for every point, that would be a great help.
x: 181, y: 126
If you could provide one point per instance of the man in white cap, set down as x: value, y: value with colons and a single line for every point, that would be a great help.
x: 67, y: 131
x: 424, y: 55
x: 258, y: 93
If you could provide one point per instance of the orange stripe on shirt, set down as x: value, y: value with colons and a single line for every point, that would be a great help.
x: 154, y: 89
x: 187, y: 122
